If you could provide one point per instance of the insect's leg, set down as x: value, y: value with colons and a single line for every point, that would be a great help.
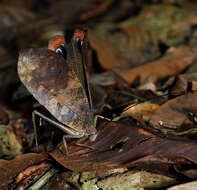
x: 85, y: 146
x: 34, y: 113
x: 35, y: 129
x: 64, y: 128
x: 72, y: 133
x: 93, y: 137
x: 65, y: 143
x: 101, y: 117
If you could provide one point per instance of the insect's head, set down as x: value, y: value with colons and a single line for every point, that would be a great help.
x: 59, y: 43
x: 78, y: 38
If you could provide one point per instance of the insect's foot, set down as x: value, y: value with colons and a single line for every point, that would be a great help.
x: 85, y: 146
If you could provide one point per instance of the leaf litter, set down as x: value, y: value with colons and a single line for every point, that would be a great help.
x: 143, y: 79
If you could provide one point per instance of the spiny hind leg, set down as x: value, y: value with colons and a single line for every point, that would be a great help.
x: 41, y: 116
x: 78, y: 144
x: 65, y: 143
x: 101, y: 117
x: 94, y: 136
x: 34, y: 113
x: 64, y: 128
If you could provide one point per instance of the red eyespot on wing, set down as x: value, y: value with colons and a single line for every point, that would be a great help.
x: 55, y: 42
x: 78, y: 34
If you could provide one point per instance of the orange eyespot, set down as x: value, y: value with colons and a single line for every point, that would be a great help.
x: 78, y: 34
x: 55, y: 42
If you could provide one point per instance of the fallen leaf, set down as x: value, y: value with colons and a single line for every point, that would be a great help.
x: 145, y: 110
x: 105, y: 52
x: 34, y: 175
x: 180, y: 86
x: 10, y: 169
x: 125, y: 145
x: 142, y: 46
x: 186, y: 186
x: 172, y: 112
x: 173, y: 62
x: 125, y: 48
x: 148, y: 85
x: 27, y: 172
x: 136, y: 180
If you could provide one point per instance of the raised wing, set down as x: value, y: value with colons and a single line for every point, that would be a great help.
x: 77, y: 58
x: 50, y: 79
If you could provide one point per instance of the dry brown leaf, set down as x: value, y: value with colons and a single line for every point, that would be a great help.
x: 106, y: 54
x: 121, y: 145
x: 27, y: 172
x: 183, y: 83
x: 9, y: 169
x: 173, y: 62
x: 145, y: 109
x: 185, y: 186
x: 191, y: 78
x: 180, y: 86
x: 148, y: 85
x: 123, y: 49
x: 141, y: 45
x: 172, y: 112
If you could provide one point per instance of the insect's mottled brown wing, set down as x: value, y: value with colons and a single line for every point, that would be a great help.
x: 51, y: 81
x: 77, y: 59
x: 76, y: 62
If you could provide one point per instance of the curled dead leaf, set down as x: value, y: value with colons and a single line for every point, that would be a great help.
x: 145, y: 109
x: 27, y: 172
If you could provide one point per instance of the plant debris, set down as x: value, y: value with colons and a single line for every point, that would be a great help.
x: 133, y: 63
